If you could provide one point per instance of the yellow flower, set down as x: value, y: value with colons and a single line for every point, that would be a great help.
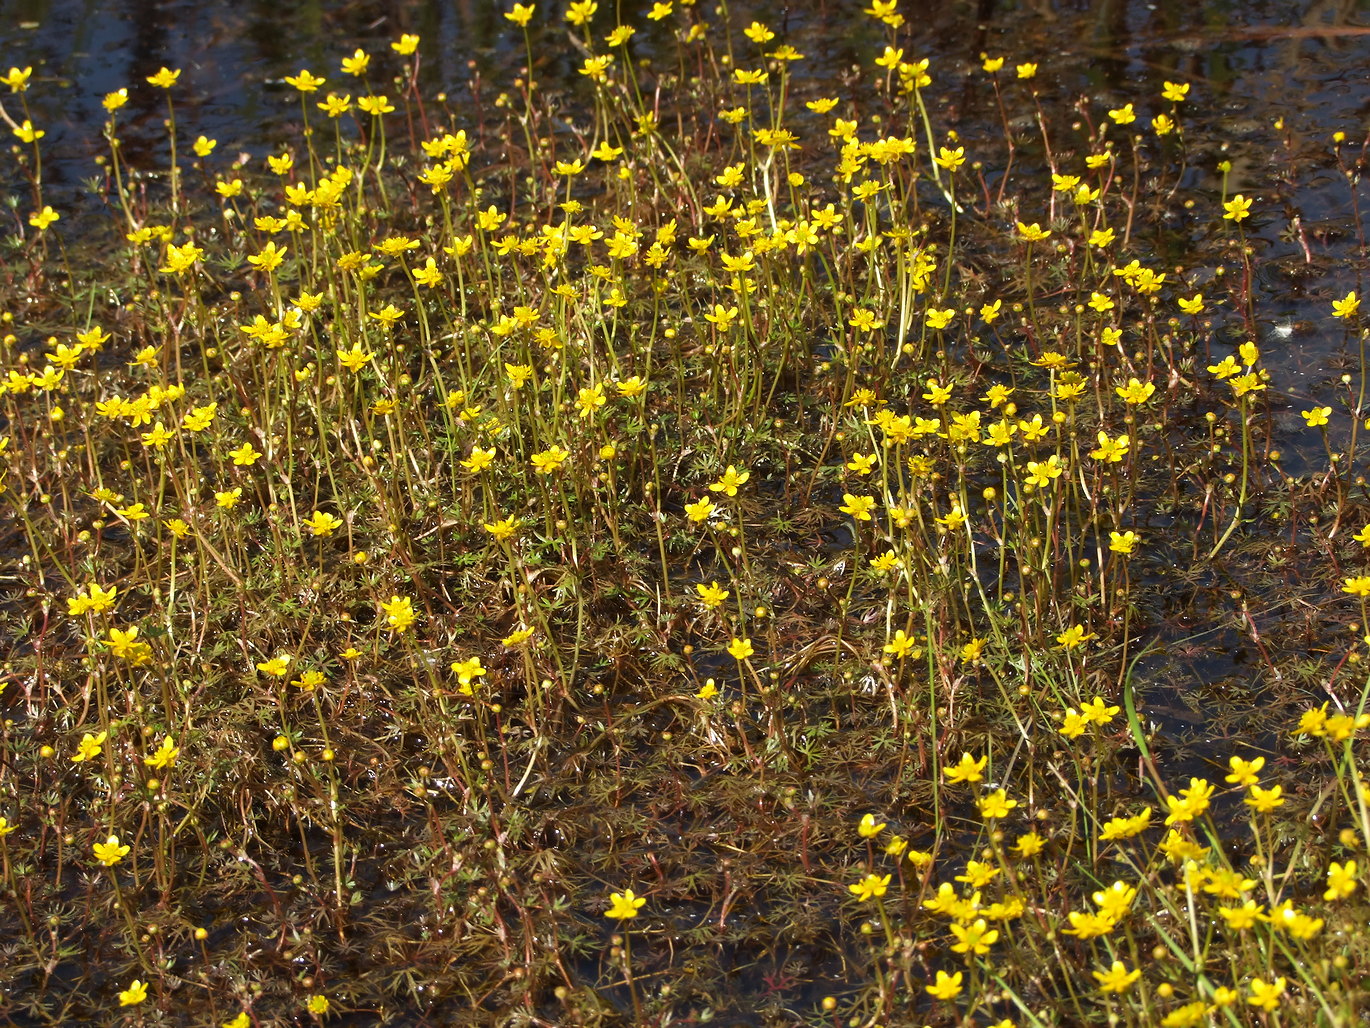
x: 711, y: 595
x: 995, y: 804
x: 946, y: 986
x: 1117, y: 979
x: 1124, y: 115
x: 42, y: 219
x: 1175, y: 91
x: 113, y: 101
x: 1341, y: 880
x: 624, y: 905
x: 700, y: 509
x: 1135, y: 392
x: 1033, y: 233
x: 1041, y: 473
x: 1347, y: 307
x: 502, y: 530
x: 399, y: 613
x: 405, y: 45
x: 1073, y: 637
x: 387, y: 315
x: 318, y: 1005
x: 137, y: 991
x: 731, y: 481
x: 521, y: 15
x: 740, y: 649
x: 27, y: 133
x: 901, y: 643
x: 1123, y: 542
x: 951, y: 159
x: 1088, y: 925
x: 375, y: 105
x: 89, y: 747
x: 17, y: 79
x: 1237, y: 209
x: 245, y: 455
x: 871, y: 887
x: 110, y: 852
x: 968, y: 769
x: 1244, y: 772
x: 1266, y: 995
x: 164, y: 756
x: 479, y: 460
x: 165, y: 78
x: 975, y: 938
x: 859, y: 507
x: 357, y: 63
x: 275, y: 667
x: 590, y: 399
x: 549, y: 460
x: 869, y: 828
x: 355, y: 358
x: 320, y: 524
x: 1096, y: 712
x: 1358, y: 586
x: 304, y: 81
x: 467, y: 671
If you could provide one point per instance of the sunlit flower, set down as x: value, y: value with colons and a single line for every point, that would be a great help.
x: 945, y: 986
x: 399, y: 613
x: 165, y: 78
x: 111, y: 851
x: 1347, y: 307
x: 868, y: 827
x: 137, y: 990
x: 1237, y: 209
x: 871, y: 887
x: 624, y: 905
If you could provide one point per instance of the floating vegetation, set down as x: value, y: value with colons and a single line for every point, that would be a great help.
x: 702, y: 542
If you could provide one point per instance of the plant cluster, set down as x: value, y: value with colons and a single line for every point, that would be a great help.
x: 476, y: 515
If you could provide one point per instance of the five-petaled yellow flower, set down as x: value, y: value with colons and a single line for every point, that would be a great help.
x: 731, y: 481
x: 399, y: 613
x: 1347, y: 307
x: 859, y: 507
x: 111, y: 851
x: 624, y: 905
x: 165, y: 78
x: 320, y: 523
x: 89, y: 747
x: 137, y: 992
x: 1237, y: 209
x: 946, y: 986
x: 869, y: 827
x: 873, y: 886
x: 1117, y: 979
x: 740, y: 649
